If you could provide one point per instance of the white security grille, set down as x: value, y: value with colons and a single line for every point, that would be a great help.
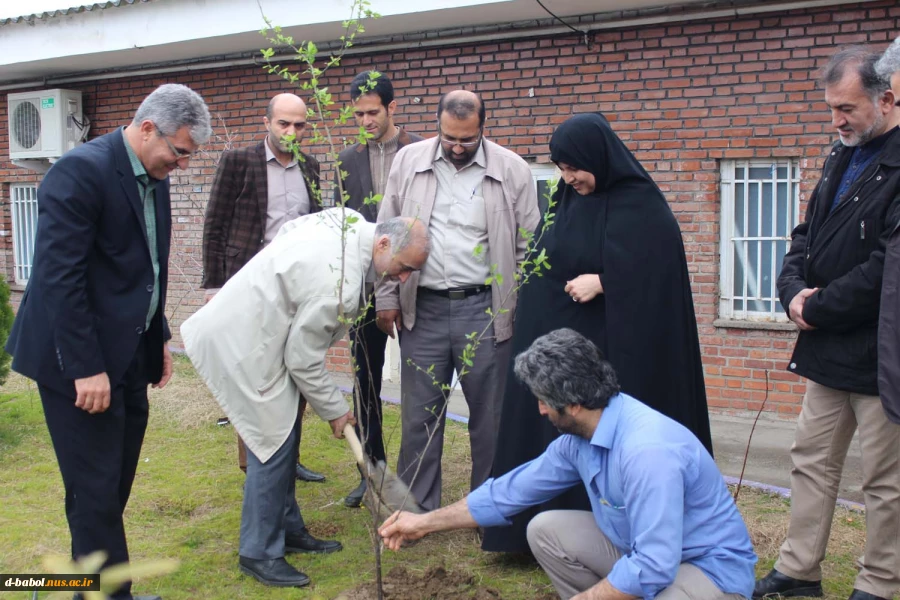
x: 760, y: 208
x: 24, y: 224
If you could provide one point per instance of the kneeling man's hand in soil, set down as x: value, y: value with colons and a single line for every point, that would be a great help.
x: 402, y: 526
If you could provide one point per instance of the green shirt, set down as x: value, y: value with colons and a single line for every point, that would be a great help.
x: 146, y: 190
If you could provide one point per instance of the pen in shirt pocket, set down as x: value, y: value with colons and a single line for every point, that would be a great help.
x: 604, y: 502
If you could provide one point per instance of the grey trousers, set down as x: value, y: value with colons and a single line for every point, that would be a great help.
x: 827, y: 422
x: 437, y: 340
x: 270, y: 509
x: 576, y: 556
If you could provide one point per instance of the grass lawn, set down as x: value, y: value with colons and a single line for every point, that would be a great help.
x: 186, y: 505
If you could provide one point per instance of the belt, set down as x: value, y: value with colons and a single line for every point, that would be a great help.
x: 457, y: 293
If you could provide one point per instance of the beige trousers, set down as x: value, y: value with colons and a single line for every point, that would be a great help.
x: 576, y: 555
x: 825, y: 428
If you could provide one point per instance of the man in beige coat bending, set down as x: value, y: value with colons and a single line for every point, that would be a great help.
x: 261, y: 342
x: 476, y: 198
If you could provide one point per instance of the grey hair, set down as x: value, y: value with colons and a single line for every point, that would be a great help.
x: 563, y: 368
x: 873, y: 84
x: 399, y: 232
x: 172, y: 106
x: 889, y: 63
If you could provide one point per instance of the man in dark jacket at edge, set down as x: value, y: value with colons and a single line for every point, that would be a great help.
x: 830, y: 286
x: 364, y: 171
x: 888, y: 67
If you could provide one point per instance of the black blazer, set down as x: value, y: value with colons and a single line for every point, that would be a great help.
x: 841, y: 252
x: 358, y: 179
x: 86, y: 303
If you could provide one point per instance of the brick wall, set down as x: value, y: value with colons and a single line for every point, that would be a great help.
x: 682, y: 96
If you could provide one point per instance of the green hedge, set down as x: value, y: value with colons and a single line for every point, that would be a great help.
x: 6, y: 321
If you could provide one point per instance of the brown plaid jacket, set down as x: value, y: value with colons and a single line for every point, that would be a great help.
x: 234, y: 227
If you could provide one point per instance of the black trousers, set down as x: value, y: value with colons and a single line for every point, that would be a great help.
x: 98, y: 456
x: 368, y: 352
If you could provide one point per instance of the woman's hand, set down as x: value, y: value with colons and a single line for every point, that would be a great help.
x: 584, y: 288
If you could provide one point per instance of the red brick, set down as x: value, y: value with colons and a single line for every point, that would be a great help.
x: 683, y: 97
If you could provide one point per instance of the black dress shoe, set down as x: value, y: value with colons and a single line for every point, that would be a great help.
x: 354, y: 498
x: 276, y: 572
x: 776, y: 584
x: 304, y: 474
x: 861, y: 595
x: 304, y: 542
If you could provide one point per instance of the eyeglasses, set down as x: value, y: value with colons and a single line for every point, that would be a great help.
x: 179, y: 154
x: 450, y: 142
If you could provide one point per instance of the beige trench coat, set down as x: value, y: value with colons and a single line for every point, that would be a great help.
x: 262, y: 340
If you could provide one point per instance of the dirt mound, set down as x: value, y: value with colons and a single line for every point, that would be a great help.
x: 435, y: 583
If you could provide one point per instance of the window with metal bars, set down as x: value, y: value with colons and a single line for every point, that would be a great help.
x: 760, y: 208
x: 24, y: 209
x: 544, y: 175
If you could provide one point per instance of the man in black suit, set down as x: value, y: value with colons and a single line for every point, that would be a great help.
x: 91, y: 329
x: 365, y: 169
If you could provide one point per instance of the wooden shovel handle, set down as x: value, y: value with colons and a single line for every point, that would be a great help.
x: 355, y: 446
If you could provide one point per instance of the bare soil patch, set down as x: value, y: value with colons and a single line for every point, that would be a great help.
x: 436, y: 582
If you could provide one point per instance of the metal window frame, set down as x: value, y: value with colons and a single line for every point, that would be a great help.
x: 23, y: 208
x: 542, y: 172
x: 727, y: 240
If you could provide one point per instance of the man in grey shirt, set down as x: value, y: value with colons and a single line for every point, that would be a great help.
x: 476, y: 199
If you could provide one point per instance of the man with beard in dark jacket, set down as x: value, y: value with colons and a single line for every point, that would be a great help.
x: 888, y: 67
x: 830, y: 286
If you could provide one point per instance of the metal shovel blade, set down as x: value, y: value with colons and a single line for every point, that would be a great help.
x: 385, y: 492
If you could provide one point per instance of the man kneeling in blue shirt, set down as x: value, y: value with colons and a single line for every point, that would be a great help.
x: 662, y: 525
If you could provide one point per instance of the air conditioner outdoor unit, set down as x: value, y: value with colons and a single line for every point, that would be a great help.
x: 45, y: 124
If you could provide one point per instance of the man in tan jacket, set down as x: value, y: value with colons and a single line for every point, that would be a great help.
x: 261, y: 342
x: 476, y: 198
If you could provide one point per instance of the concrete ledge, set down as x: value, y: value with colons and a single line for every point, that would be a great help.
x: 764, y: 325
x: 786, y: 493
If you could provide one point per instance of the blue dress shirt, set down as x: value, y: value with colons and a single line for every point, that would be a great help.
x: 655, y: 492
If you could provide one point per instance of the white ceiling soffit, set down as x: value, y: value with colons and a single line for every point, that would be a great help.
x: 132, y: 33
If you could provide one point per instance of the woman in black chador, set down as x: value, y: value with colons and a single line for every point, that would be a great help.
x: 619, y: 277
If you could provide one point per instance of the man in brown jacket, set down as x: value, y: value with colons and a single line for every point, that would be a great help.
x: 476, y: 199
x: 257, y: 189
x: 365, y: 169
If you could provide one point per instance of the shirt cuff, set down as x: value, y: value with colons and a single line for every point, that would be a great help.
x: 626, y: 577
x: 482, y: 507
x: 391, y: 302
